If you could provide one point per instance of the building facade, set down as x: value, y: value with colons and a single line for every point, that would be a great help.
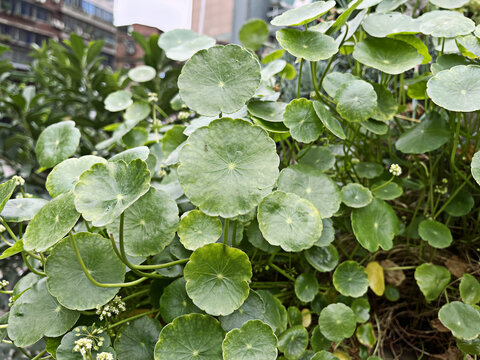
x: 27, y: 22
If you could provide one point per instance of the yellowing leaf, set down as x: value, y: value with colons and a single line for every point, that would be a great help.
x: 376, y: 281
x: 341, y: 355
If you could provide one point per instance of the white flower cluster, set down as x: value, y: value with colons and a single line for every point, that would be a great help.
x: 114, y: 307
x: 3, y: 284
x: 104, y: 356
x: 19, y: 180
x: 184, y: 115
x: 24, y: 196
x: 395, y: 170
x: 83, y: 345
x: 152, y: 97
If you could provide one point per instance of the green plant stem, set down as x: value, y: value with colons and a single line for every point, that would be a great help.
x: 3, y: 326
x: 379, y: 335
x: 299, y: 78
x: 455, y: 193
x: 135, y: 294
x: 155, y: 124
x: 278, y: 269
x: 89, y: 276
x: 123, y: 321
x: 455, y: 143
x: 30, y: 267
x: 6, y: 292
x: 234, y: 233
x: 123, y: 254
x: 5, y: 241
x: 394, y: 268
x: 225, y: 231
x: 40, y: 355
x: 384, y: 184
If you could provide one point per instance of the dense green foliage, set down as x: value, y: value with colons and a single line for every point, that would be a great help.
x: 244, y: 205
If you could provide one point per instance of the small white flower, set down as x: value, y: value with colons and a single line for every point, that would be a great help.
x: 183, y: 115
x: 114, y: 307
x: 3, y: 284
x: 2, y: 228
x: 105, y: 356
x: 152, y: 97
x: 19, y: 180
x: 83, y: 345
x: 395, y: 170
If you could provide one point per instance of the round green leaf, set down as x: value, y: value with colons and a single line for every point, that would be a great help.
x: 255, y: 237
x: 375, y: 126
x: 469, y: 346
x: 318, y: 341
x: 105, y: 190
x: 350, y: 279
x: 435, y: 233
x: 324, y: 355
x: 51, y: 223
x: 328, y: 120
x: 142, y: 73
x: 129, y: 155
x: 175, y: 302
x: 149, y: 224
x: 321, y: 158
x: 217, y: 278
x: 6, y: 191
x: 337, y: 322
x: 366, y: 335
x: 228, y: 175
x: 368, y: 170
x: 375, y: 225
x: 308, y: 45
x: 469, y: 289
x: 306, y: 287
x: 387, y: 55
x: 323, y: 259
x: 253, y: 34
x: 475, y: 167
x: 65, y: 350
x: 165, y: 257
x: 303, y: 14
x: 361, y: 308
x: 302, y: 120
x: 118, y: 100
x: 386, y: 104
x: 190, y: 337
x: 417, y: 43
x: 274, y: 127
x: 429, y: 135
x: 388, y: 192
x: 456, y: 89
x: 138, y: 136
x: 252, y: 309
x: 461, y: 204
x: 229, y: 75
x: 181, y: 44
x: 137, y: 112
x: 445, y: 24
x: 275, y: 313
x: 137, y: 339
x: 24, y: 209
x: 389, y: 5
x: 313, y: 185
x: 289, y: 221
x: 36, y: 314
x: 356, y: 100
x: 334, y: 80
x: 253, y: 341
x: 56, y: 143
x: 380, y: 25
x: 65, y: 175
x: 432, y: 280
x: 356, y: 195
x: 197, y: 229
x: 469, y: 45
x: 328, y: 233
x: 267, y: 110
x: 72, y: 288
x: 461, y: 319
x: 293, y: 341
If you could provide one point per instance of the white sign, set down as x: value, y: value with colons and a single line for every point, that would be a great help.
x: 163, y: 14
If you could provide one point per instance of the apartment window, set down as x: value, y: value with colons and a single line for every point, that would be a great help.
x: 7, y: 5
x: 42, y: 14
